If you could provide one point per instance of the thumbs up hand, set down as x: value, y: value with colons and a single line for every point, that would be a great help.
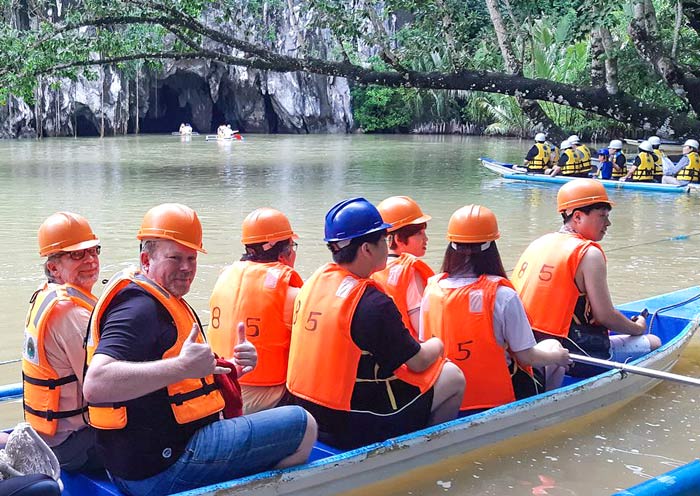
x: 197, y: 359
x: 245, y: 356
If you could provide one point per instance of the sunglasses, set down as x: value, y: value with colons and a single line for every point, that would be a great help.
x: 80, y: 254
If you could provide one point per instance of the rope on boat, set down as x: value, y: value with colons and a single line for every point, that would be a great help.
x: 680, y: 237
x: 670, y: 307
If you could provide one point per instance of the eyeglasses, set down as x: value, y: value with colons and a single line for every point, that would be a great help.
x: 80, y: 254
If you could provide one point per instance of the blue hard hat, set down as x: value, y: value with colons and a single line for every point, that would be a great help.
x: 603, y: 151
x: 352, y: 218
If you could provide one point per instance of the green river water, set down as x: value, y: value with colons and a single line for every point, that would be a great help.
x: 115, y: 180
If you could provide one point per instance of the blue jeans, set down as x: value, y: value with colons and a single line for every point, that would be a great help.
x: 226, y: 450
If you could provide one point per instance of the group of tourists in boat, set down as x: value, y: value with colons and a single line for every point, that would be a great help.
x: 373, y: 345
x: 224, y: 131
x: 185, y: 129
x: 651, y: 164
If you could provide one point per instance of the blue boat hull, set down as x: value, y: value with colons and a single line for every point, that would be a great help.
x: 682, y: 481
x: 329, y: 470
x: 506, y: 171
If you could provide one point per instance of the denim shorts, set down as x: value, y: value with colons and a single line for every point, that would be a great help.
x: 226, y: 450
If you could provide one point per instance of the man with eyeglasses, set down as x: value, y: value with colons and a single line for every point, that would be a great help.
x: 259, y: 290
x: 53, y: 353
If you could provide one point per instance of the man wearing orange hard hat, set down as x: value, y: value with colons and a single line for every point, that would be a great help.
x: 259, y: 290
x: 150, y: 378
x: 405, y: 275
x: 53, y: 356
x: 578, y: 310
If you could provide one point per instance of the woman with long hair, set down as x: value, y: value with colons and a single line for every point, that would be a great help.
x: 474, y: 309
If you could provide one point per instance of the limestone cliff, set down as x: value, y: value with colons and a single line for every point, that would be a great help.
x: 203, y: 93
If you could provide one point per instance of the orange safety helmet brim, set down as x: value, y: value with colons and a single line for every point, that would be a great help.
x: 473, y: 224
x: 266, y: 225
x: 400, y: 211
x: 581, y: 193
x: 174, y: 222
x: 65, y: 231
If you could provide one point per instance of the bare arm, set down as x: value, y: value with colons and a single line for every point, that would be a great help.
x: 109, y: 380
x: 592, y: 278
x: 430, y: 351
x: 547, y: 352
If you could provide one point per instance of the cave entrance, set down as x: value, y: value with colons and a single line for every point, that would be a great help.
x: 165, y: 113
x: 85, y: 121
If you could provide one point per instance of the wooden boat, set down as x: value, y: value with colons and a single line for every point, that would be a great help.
x: 511, y: 171
x: 177, y: 133
x: 674, y: 319
x: 681, y: 481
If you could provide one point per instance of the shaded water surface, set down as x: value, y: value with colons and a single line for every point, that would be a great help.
x: 114, y: 181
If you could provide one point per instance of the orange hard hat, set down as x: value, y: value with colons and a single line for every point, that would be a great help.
x: 175, y: 222
x: 400, y: 211
x: 473, y: 224
x: 581, y: 193
x: 65, y: 231
x: 266, y: 225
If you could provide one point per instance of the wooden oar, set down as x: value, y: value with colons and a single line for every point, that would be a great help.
x: 632, y: 369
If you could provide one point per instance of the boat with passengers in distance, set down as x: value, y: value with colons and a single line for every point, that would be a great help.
x: 674, y: 318
x: 518, y: 173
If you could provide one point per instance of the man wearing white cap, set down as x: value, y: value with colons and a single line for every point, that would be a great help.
x: 618, y: 160
x: 537, y: 158
x: 687, y: 170
x: 583, y: 155
x: 567, y: 161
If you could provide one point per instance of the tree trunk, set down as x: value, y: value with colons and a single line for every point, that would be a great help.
x: 691, y: 9
x: 531, y: 108
x: 610, y: 61
x: 644, y: 34
x: 597, y: 55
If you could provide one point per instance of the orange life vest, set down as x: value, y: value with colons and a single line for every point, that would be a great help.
x: 255, y: 294
x: 463, y: 319
x: 190, y: 399
x: 544, y: 277
x: 395, y: 280
x: 40, y: 381
x: 323, y: 358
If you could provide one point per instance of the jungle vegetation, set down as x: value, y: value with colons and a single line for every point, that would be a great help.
x: 504, y: 66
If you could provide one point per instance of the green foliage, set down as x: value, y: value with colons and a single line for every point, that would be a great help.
x: 378, y: 108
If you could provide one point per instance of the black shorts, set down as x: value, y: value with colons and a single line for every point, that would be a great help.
x: 348, y: 430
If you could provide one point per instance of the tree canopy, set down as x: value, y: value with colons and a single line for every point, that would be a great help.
x: 636, y: 61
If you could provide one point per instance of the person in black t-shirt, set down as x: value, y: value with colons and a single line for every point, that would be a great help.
x: 353, y: 364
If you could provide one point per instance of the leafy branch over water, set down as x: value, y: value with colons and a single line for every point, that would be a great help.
x: 608, y: 59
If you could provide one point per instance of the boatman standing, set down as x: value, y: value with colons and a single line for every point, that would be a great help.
x: 562, y: 281
x: 259, y: 290
x: 352, y: 362
x: 150, y: 378
x: 53, y: 354
x: 405, y: 275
